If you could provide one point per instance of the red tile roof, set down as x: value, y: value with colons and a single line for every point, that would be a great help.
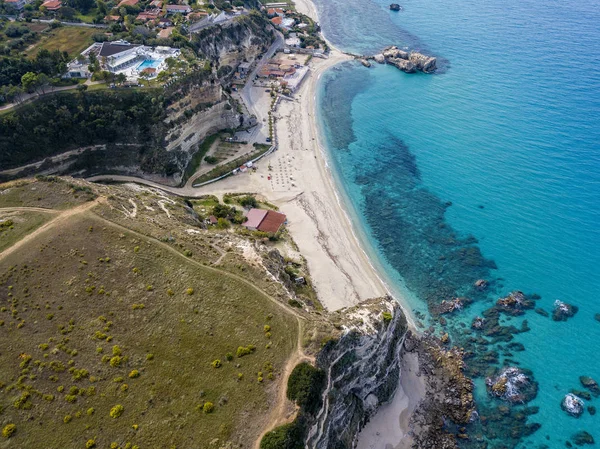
x: 276, y: 20
x: 52, y: 5
x: 272, y: 222
x: 254, y: 218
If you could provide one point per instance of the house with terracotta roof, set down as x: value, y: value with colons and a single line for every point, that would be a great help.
x: 52, y: 5
x: 276, y: 21
x: 151, y: 14
x: 264, y: 220
x: 272, y: 12
x: 128, y: 3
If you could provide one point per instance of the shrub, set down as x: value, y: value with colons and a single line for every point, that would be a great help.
x: 267, y: 328
x: 149, y: 356
x: 116, y: 350
x: 9, y: 430
x: 71, y: 398
x: 170, y: 292
x: 242, y: 351
x: 305, y: 385
x: 134, y: 374
x: 288, y: 436
x: 116, y: 411
x: 67, y: 419
x: 387, y: 317
x: 90, y: 444
x: 216, y: 363
x: 229, y: 356
x: 190, y: 291
x: 187, y: 253
x: 90, y: 411
x: 208, y: 407
x: 115, y: 361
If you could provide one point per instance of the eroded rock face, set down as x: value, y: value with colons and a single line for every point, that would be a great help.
x: 563, y: 311
x: 407, y: 62
x: 362, y: 372
x: 573, y: 405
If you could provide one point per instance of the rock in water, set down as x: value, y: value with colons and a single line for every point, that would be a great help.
x: 582, y: 437
x: 395, y: 7
x: 409, y: 62
x: 563, y: 311
x: 597, y: 317
x: 590, y: 384
x: 573, y: 405
x: 509, y: 385
x: 481, y: 284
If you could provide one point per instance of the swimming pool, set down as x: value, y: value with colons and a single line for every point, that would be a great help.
x: 149, y: 63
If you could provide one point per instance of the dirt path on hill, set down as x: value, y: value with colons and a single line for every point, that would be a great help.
x: 60, y: 217
x: 283, y: 411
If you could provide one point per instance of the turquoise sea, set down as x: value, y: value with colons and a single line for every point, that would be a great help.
x: 489, y: 168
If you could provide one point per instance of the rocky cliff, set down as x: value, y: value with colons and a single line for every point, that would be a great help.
x: 362, y: 372
x: 243, y: 38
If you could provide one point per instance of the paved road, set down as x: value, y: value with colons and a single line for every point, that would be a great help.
x: 27, y: 98
x: 256, y: 134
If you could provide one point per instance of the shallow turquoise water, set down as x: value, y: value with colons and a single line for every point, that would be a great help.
x: 511, y: 123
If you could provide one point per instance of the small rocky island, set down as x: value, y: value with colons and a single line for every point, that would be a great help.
x: 409, y: 62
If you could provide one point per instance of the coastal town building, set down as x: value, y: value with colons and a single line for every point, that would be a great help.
x: 52, y: 5
x: 264, y: 220
x: 178, y: 9
x: 150, y: 14
x: 133, y: 60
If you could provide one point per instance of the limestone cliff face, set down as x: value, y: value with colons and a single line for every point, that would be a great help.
x: 362, y: 373
x: 243, y: 38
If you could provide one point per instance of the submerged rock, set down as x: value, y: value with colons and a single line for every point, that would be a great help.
x: 597, y: 317
x: 451, y: 306
x: 542, y: 312
x: 515, y: 303
x: 573, y: 405
x: 562, y: 311
x: 591, y: 410
x: 395, y: 7
x: 582, y: 437
x: 509, y: 385
x: 477, y: 323
x: 590, y: 384
x: 481, y: 284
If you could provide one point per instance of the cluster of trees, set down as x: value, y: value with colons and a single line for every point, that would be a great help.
x: 18, y: 75
x: 57, y: 123
x: 305, y: 386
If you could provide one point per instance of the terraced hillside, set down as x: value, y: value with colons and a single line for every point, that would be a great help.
x: 120, y: 328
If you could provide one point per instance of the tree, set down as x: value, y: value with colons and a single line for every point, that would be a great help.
x: 42, y: 81
x: 81, y: 88
x: 120, y: 78
x: 29, y: 81
x: 249, y: 201
x: 305, y: 385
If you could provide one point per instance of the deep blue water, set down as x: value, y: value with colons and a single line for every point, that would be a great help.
x: 509, y: 133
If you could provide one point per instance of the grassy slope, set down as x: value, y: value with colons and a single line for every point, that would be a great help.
x: 73, y: 40
x: 52, y: 282
x: 23, y: 224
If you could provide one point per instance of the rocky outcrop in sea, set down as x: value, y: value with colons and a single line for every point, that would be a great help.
x: 409, y: 62
x: 573, y: 405
x: 563, y: 311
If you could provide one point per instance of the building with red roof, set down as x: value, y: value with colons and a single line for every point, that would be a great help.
x: 276, y: 21
x: 264, y: 220
x: 52, y: 5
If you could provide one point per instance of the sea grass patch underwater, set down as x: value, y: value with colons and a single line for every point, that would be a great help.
x: 82, y: 363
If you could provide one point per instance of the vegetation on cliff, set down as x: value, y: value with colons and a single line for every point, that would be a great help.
x: 111, y: 322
